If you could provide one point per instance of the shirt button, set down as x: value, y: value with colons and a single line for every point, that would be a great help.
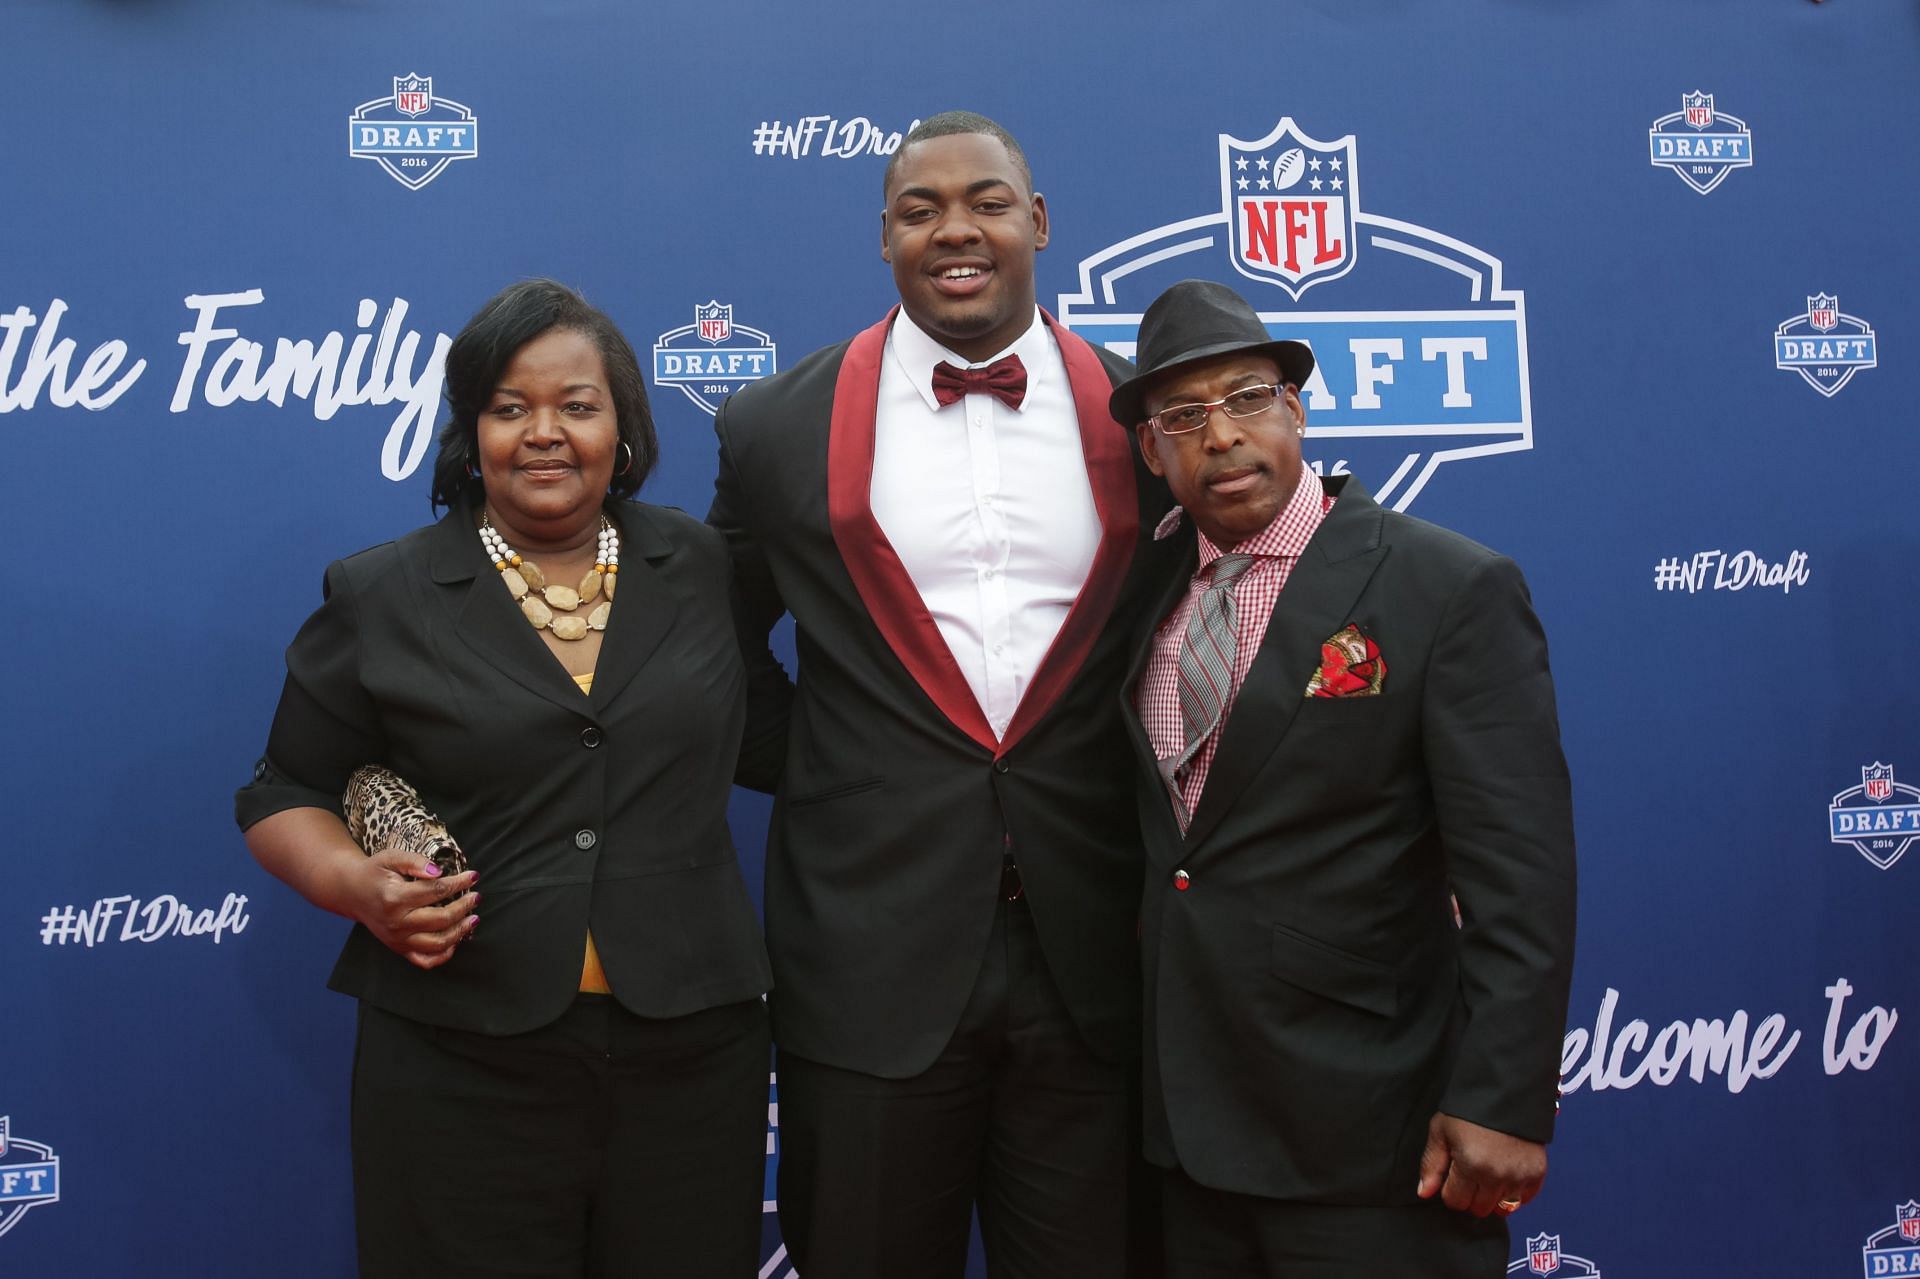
x: 260, y: 771
x: 999, y: 649
x: 987, y: 573
x: 584, y: 839
x: 1182, y: 881
x: 589, y: 737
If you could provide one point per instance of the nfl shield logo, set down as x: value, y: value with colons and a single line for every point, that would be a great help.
x: 1908, y: 1215
x: 1877, y: 782
x: 1543, y: 1254
x: 6, y: 1121
x: 412, y: 94
x: 1699, y: 107
x: 1823, y: 312
x: 715, y: 321
x: 1290, y: 203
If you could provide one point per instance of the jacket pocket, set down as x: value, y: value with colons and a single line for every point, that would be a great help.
x: 835, y: 792
x: 1333, y: 973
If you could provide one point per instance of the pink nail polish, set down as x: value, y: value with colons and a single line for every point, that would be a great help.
x: 432, y: 871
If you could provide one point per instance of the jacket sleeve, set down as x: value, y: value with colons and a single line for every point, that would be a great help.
x: 326, y: 725
x: 757, y: 606
x: 1504, y: 805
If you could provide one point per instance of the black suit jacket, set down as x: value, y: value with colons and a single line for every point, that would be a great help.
x: 1310, y: 1001
x: 607, y: 810
x: 894, y: 804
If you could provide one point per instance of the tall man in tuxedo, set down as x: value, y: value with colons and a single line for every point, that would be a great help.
x: 954, y: 522
x: 1358, y: 919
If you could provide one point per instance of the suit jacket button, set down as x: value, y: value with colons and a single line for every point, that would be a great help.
x: 1001, y: 766
x: 1181, y: 880
x: 584, y: 839
x: 589, y: 737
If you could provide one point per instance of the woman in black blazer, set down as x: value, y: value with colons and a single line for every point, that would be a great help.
x: 579, y: 1087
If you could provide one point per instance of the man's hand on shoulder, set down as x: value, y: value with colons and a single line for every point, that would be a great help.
x: 1479, y: 1170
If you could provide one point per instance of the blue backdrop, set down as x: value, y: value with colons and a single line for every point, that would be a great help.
x: 1600, y: 284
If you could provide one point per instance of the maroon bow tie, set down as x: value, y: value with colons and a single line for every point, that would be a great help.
x: 1005, y: 378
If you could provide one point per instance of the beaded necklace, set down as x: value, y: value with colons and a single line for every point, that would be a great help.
x: 550, y: 606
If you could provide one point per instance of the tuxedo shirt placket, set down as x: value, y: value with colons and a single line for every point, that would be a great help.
x: 989, y: 508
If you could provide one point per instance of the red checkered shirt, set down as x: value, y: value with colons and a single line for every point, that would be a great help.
x: 1276, y: 550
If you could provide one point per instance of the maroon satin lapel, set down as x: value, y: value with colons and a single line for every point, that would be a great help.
x: 1109, y: 453
x: 889, y: 594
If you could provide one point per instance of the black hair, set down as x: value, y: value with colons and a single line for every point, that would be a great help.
x: 510, y: 319
x: 946, y: 125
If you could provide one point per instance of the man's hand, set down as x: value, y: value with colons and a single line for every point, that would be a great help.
x: 1478, y: 1170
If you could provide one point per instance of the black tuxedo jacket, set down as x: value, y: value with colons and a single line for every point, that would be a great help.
x: 607, y: 810
x: 894, y: 804
x: 1310, y: 1000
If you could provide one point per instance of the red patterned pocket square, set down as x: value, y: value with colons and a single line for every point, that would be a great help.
x: 1350, y: 666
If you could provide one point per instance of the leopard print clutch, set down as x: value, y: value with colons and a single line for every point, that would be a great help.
x: 384, y: 812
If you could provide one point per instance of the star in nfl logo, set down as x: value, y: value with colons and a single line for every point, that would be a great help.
x: 1823, y: 312
x: 412, y: 94
x: 715, y: 321
x: 1699, y: 108
x: 1877, y: 781
x: 1543, y: 1254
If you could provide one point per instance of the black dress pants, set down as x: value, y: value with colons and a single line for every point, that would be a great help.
x: 879, y: 1177
x: 602, y: 1144
x: 1217, y: 1234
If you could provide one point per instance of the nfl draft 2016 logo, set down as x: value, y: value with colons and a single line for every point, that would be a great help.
x: 713, y: 357
x: 1880, y: 817
x: 1825, y: 346
x: 1700, y: 144
x: 29, y: 1176
x: 1544, y: 1257
x: 413, y: 135
x: 1895, y: 1249
x: 1420, y: 347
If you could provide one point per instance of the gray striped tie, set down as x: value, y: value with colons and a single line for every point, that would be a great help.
x: 1206, y: 658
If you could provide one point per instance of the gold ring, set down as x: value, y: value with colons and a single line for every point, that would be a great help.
x: 1507, y: 1205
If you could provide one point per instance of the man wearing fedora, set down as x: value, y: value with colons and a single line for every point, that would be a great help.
x: 1357, y: 928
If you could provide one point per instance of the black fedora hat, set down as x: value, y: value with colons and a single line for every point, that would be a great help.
x: 1199, y: 320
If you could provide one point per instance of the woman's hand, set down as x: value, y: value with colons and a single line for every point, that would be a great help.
x: 397, y: 896
x: 310, y: 850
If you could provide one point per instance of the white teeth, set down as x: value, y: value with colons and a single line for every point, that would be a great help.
x: 960, y: 273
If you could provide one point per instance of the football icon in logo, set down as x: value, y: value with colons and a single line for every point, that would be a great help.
x: 1288, y: 168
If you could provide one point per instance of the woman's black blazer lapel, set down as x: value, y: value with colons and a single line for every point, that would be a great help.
x: 644, y: 606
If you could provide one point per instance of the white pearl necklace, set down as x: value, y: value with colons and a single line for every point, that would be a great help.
x: 550, y: 606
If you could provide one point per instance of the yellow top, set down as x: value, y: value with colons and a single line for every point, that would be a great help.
x: 593, y: 978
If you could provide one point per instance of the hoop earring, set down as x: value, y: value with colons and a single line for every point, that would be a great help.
x: 629, y: 466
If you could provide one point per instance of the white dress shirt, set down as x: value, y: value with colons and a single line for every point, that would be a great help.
x: 988, y: 507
